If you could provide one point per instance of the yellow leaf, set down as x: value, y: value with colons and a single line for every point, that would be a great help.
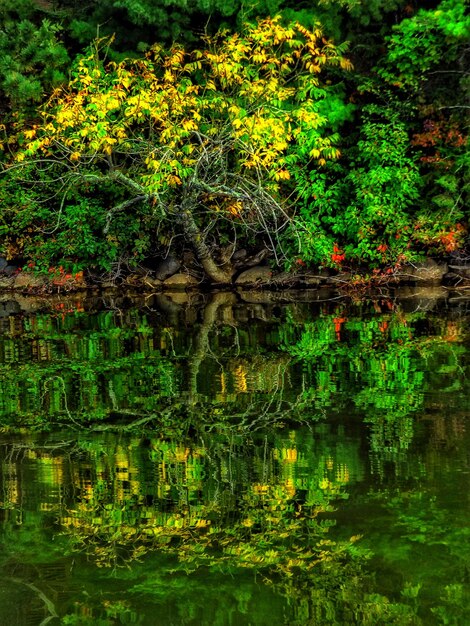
x: 174, y: 180
x: 189, y: 125
x: 282, y: 175
x: 29, y: 134
x: 201, y: 523
x: 235, y: 208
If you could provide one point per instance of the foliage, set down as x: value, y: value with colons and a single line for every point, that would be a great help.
x: 135, y: 22
x: 400, y: 187
x: 362, y: 210
x: 417, y: 45
x: 235, y: 140
x: 50, y: 227
x: 33, y: 60
x: 386, y: 186
x: 426, y: 62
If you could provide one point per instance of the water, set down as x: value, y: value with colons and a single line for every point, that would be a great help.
x: 206, y: 460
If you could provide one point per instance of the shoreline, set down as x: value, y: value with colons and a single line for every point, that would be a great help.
x: 261, y: 278
x: 170, y: 303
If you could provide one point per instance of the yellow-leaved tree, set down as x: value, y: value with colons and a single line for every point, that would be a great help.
x: 206, y: 138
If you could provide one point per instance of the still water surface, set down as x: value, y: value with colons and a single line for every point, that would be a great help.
x: 176, y: 462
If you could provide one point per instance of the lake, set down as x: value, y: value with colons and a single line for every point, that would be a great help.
x: 235, y: 459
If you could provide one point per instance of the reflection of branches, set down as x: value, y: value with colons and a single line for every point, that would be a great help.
x: 277, y: 410
x: 50, y: 606
x: 16, y: 448
x: 139, y: 422
x: 64, y: 395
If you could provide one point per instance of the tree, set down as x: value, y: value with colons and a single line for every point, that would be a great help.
x: 135, y: 22
x: 32, y: 57
x: 206, y: 139
x: 426, y: 64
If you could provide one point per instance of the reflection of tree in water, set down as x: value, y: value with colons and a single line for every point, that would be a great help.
x: 386, y: 370
x: 223, y: 363
x: 108, y: 367
x: 225, y: 486
x: 226, y: 501
x: 221, y: 503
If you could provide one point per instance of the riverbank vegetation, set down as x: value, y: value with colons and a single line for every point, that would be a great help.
x: 329, y: 136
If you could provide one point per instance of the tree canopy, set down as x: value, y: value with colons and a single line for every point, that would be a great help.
x: 207, y: 139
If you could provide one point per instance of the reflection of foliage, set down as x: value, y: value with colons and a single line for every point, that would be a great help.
x: 383, y: 366
x: 426, y: 537
x: 219, y: 492
x: 319, y: 601
x: 196, y: 516
x: 50, y: 372
x: 229, y: 506
x: 422, y: 521
x: 267, y: 539
x: 193, y: 508
x: 130, y: 370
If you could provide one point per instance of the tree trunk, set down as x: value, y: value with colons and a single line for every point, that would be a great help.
x: 215, y: 272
